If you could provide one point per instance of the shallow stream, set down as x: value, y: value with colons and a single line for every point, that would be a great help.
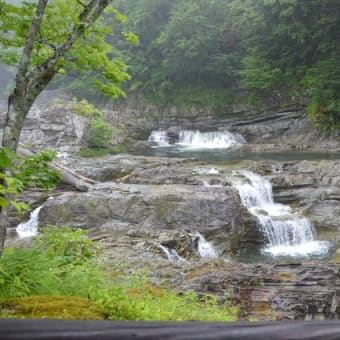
x: 288, y: 234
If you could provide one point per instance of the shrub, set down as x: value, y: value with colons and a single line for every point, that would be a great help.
x: 100, y: 133
x: 64, y: 263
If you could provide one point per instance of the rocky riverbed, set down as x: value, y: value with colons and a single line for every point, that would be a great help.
x: 154, y: 212
x: 143, y: 204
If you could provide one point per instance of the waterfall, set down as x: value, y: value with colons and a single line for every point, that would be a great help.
x: 30, y: 227
x: 171, y: 254
x: 209, y: 140
x: 198, y: 140
x: 288, y: 233
x: 204, y: 248
x: 202, y: 171
x: 159, y: 137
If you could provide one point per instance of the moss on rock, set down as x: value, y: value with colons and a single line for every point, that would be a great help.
x: 52, y: 307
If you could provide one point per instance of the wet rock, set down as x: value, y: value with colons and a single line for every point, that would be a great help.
x: 285, y: 291
x: 216, y: 213
x: 50, y: 124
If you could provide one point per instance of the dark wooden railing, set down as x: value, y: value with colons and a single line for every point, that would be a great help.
x: 97, y: 330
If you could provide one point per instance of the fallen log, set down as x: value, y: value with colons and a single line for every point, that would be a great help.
x: 92, y: 330
x: 67, y: 175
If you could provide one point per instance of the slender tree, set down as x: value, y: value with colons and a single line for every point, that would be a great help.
x: 64, y: 34
x: 46, y: 38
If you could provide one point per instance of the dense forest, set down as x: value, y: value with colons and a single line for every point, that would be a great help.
x: 219, y: 53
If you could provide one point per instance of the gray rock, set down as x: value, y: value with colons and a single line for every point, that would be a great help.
x: 51, y: 125
x: 217, y: 213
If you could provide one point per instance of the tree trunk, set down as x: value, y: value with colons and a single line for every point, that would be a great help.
x: 30, y: 81
x: 17, y: 111
x: 18, y: 107
x: 3, y: 228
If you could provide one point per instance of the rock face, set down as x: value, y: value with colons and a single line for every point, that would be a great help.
x: 50, y: 124
x: 144, y: 208
x: 283, y: 291
x: 287, y: 129
x: 215, y: 213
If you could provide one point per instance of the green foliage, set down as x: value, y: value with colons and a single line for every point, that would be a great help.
x: 52, y: 307
x: 136, y: 301
x: 34, y: 170
x: 258, y: 74
x: 64, y: 262
x: 61, y: 263
x: 99, y: 133
x: 67, y: 246
x: 183, y: 44
x: 265, y: 50
x: 323, y: 84
x: 86, y: 109
x: 19, y: 173
x: 90, y: 53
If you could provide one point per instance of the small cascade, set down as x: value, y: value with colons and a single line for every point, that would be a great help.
x: 159, y: 137
x: 202, y: 171
x: 204, y: 248
x: 171, y: 254
x: 30, y: 227
x: 206, y: 183
x: 195, y: 139
x: 209, y: 140
x: 288, y: 233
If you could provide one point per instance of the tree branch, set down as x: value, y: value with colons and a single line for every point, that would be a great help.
x: 28, y: 48
x: 87, y: 17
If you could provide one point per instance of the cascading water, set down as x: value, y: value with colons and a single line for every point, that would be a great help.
x: 159, y: 137
x: 171, y: 254
x: 30, y: 227
x: 204, y: 248
x: 288, y: 233
x: 209, y: 140
x: 199, y: 140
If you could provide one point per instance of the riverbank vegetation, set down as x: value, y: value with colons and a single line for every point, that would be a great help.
x: 224, y: 53
x: 220, y: 53
x: 61, y: 276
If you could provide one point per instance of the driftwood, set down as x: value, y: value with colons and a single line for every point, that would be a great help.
x: 124, y: 330
x: 68, y: 176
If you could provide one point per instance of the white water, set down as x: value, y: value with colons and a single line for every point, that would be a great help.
x: 171, y: 254
x: 30, y: 227
x: 207, y: 171
x: 288, y: 233
x: 204, y: 248
x: 209, y: 140
x: 199, y: 140
x: 159, y: 137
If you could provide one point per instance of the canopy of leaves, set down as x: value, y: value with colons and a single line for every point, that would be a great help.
x: 90, y: 52
x: 205, y: 52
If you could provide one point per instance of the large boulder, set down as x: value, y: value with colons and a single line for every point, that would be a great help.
x: 296, y: 291
x: 215, y: 212
x: 51, y: 124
